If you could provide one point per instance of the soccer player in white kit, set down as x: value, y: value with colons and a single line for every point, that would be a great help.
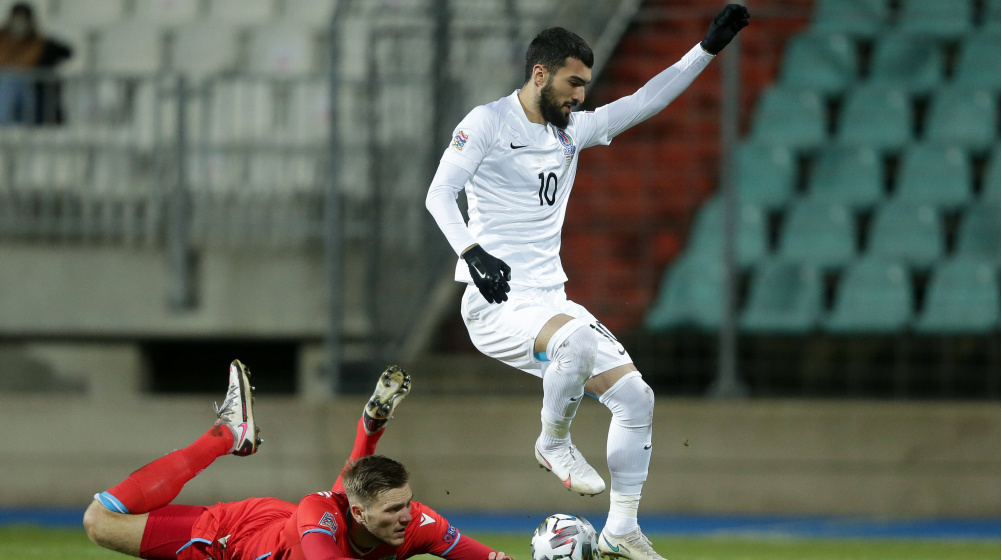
x: 516, y: 158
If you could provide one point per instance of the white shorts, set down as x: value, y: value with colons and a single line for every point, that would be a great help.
x: 508, y: 331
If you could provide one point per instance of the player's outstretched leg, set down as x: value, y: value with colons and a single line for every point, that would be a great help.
x: 156, y: 484
x: 237, y: 411
x: 392, y: 387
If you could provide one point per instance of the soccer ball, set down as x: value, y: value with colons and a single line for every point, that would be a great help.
x: 561, y: 536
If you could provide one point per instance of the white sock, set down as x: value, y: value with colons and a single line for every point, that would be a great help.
x: 628, y: 449
x: 622, y: 513
x: 572, y: 359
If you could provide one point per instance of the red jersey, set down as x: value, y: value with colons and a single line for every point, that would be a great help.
x: 271, y: 529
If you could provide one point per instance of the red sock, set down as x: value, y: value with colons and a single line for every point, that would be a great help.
x: 365, y: 445
x: 159, y: 482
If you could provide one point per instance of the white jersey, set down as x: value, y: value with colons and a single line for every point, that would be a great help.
x: 523, y: 174
x: 519, y: 175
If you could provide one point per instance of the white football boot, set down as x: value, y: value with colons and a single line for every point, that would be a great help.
x: 633, y: 546
x: 237, y: 411
x: 392, y: 387
x: 571, y: 468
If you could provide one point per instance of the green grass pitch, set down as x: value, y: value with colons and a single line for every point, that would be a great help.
x: 26, y: 543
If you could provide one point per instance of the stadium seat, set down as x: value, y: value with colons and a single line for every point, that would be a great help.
x: 935, y: 18
x: 281, y: 50
x: 707, y: 238
x: 934, y: 175
x: 906, y: 232
x: 691, y: 295
x: 911, y: 63
x: 990, y: 19
x: 284, y: 172
x: 962, y: 297
x: 49, y: 168
x: 217, y: 170
x: 242, y: 12
x: 964, y: 117
x: 992, y: 178
x: 118, y: 172
x: 978, y: 235
x: 978, y: 62
x: 764, y: 175
x: 309, y: 112
x: 873, y: 296
x: 789, y: 117
x: 818, y: 234
x: 166, y: 12
x: 205, y: 48
x: 822, y: 62
x: 785, y: 297
x: 88, y: 14
x: 847, y: 175
x: 858, y: 18
x: 875, y: 116
x: 238, y: 111
x: 130, y: 48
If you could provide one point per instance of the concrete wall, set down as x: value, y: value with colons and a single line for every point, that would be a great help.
x: 824, y: 457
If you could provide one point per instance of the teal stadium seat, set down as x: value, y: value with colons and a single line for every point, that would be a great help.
x: 911, y: 63
x: 790, y: 117
x: 962, y: 298
x: 707, y: 240
x: 873, y: 296
x: 785, y: 297
x: 908, y: 233
x: 822, y: 62
x: 978, y: 62
x: 858, y: 18
x: 990, y: 19
x: 847, y: 175
x: 965, y: 117
x: 934, y: 175
x: 979, y: 232
x: 991, y: 181
x: 764, y: 175
x: 818, y: 234
x: 876, y: 116
x: 691, y: 295
x: 939, y: 19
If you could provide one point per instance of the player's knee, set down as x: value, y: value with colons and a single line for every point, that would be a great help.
x: 578, y: 350
x: 631, y: 401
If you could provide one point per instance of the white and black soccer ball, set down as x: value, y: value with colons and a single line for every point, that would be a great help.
x: 565, y: 537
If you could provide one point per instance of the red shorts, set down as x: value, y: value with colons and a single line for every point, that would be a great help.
x: 246, y: 529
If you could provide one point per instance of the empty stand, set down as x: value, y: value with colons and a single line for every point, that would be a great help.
x: 992, y: 178
x: 691, y: 295
x: 908, y: 62
x: 785, y: 297
x: 707, y: 239
x: 978, y: 235
x: 858, y: 18
x: 978, y: 62
x: 847, y: 175
x: 935, y: 18
x: 166, y: 12
x: 873, y: 296
x: 790, y: 117
x: 88, y: 13
x: 242, y: 12
x: 205, y: 48
x: 130, y: 47
x: 764, y: 175
x: 936, y: 175
x: 818, y: 234
x: 908, y: 233
x: 282, y: 49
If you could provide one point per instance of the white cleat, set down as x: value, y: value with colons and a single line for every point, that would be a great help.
x: 571, y: 468
x: 633, y: 546
x: 393, y: 386
x: 237, y: 411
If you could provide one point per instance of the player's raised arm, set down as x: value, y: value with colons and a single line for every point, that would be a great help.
x: 662, y: 89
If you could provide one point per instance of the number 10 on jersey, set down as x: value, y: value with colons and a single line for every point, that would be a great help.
x: 545, y: 192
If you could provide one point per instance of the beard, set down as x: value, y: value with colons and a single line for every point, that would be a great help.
x: 551, y: 109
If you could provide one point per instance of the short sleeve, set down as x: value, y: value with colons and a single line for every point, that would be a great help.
x: 434, y: 535
x: 590, y: 128
x: 471, y: 139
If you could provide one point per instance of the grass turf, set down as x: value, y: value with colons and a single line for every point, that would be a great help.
x: 29, y: 543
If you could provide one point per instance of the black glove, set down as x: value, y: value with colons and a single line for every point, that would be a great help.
x: 490, y: 274
x: 724, y: 27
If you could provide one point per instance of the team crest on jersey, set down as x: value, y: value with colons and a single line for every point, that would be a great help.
x: 568, y: 143
x: 328, y: 521
x: 459, y: 140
